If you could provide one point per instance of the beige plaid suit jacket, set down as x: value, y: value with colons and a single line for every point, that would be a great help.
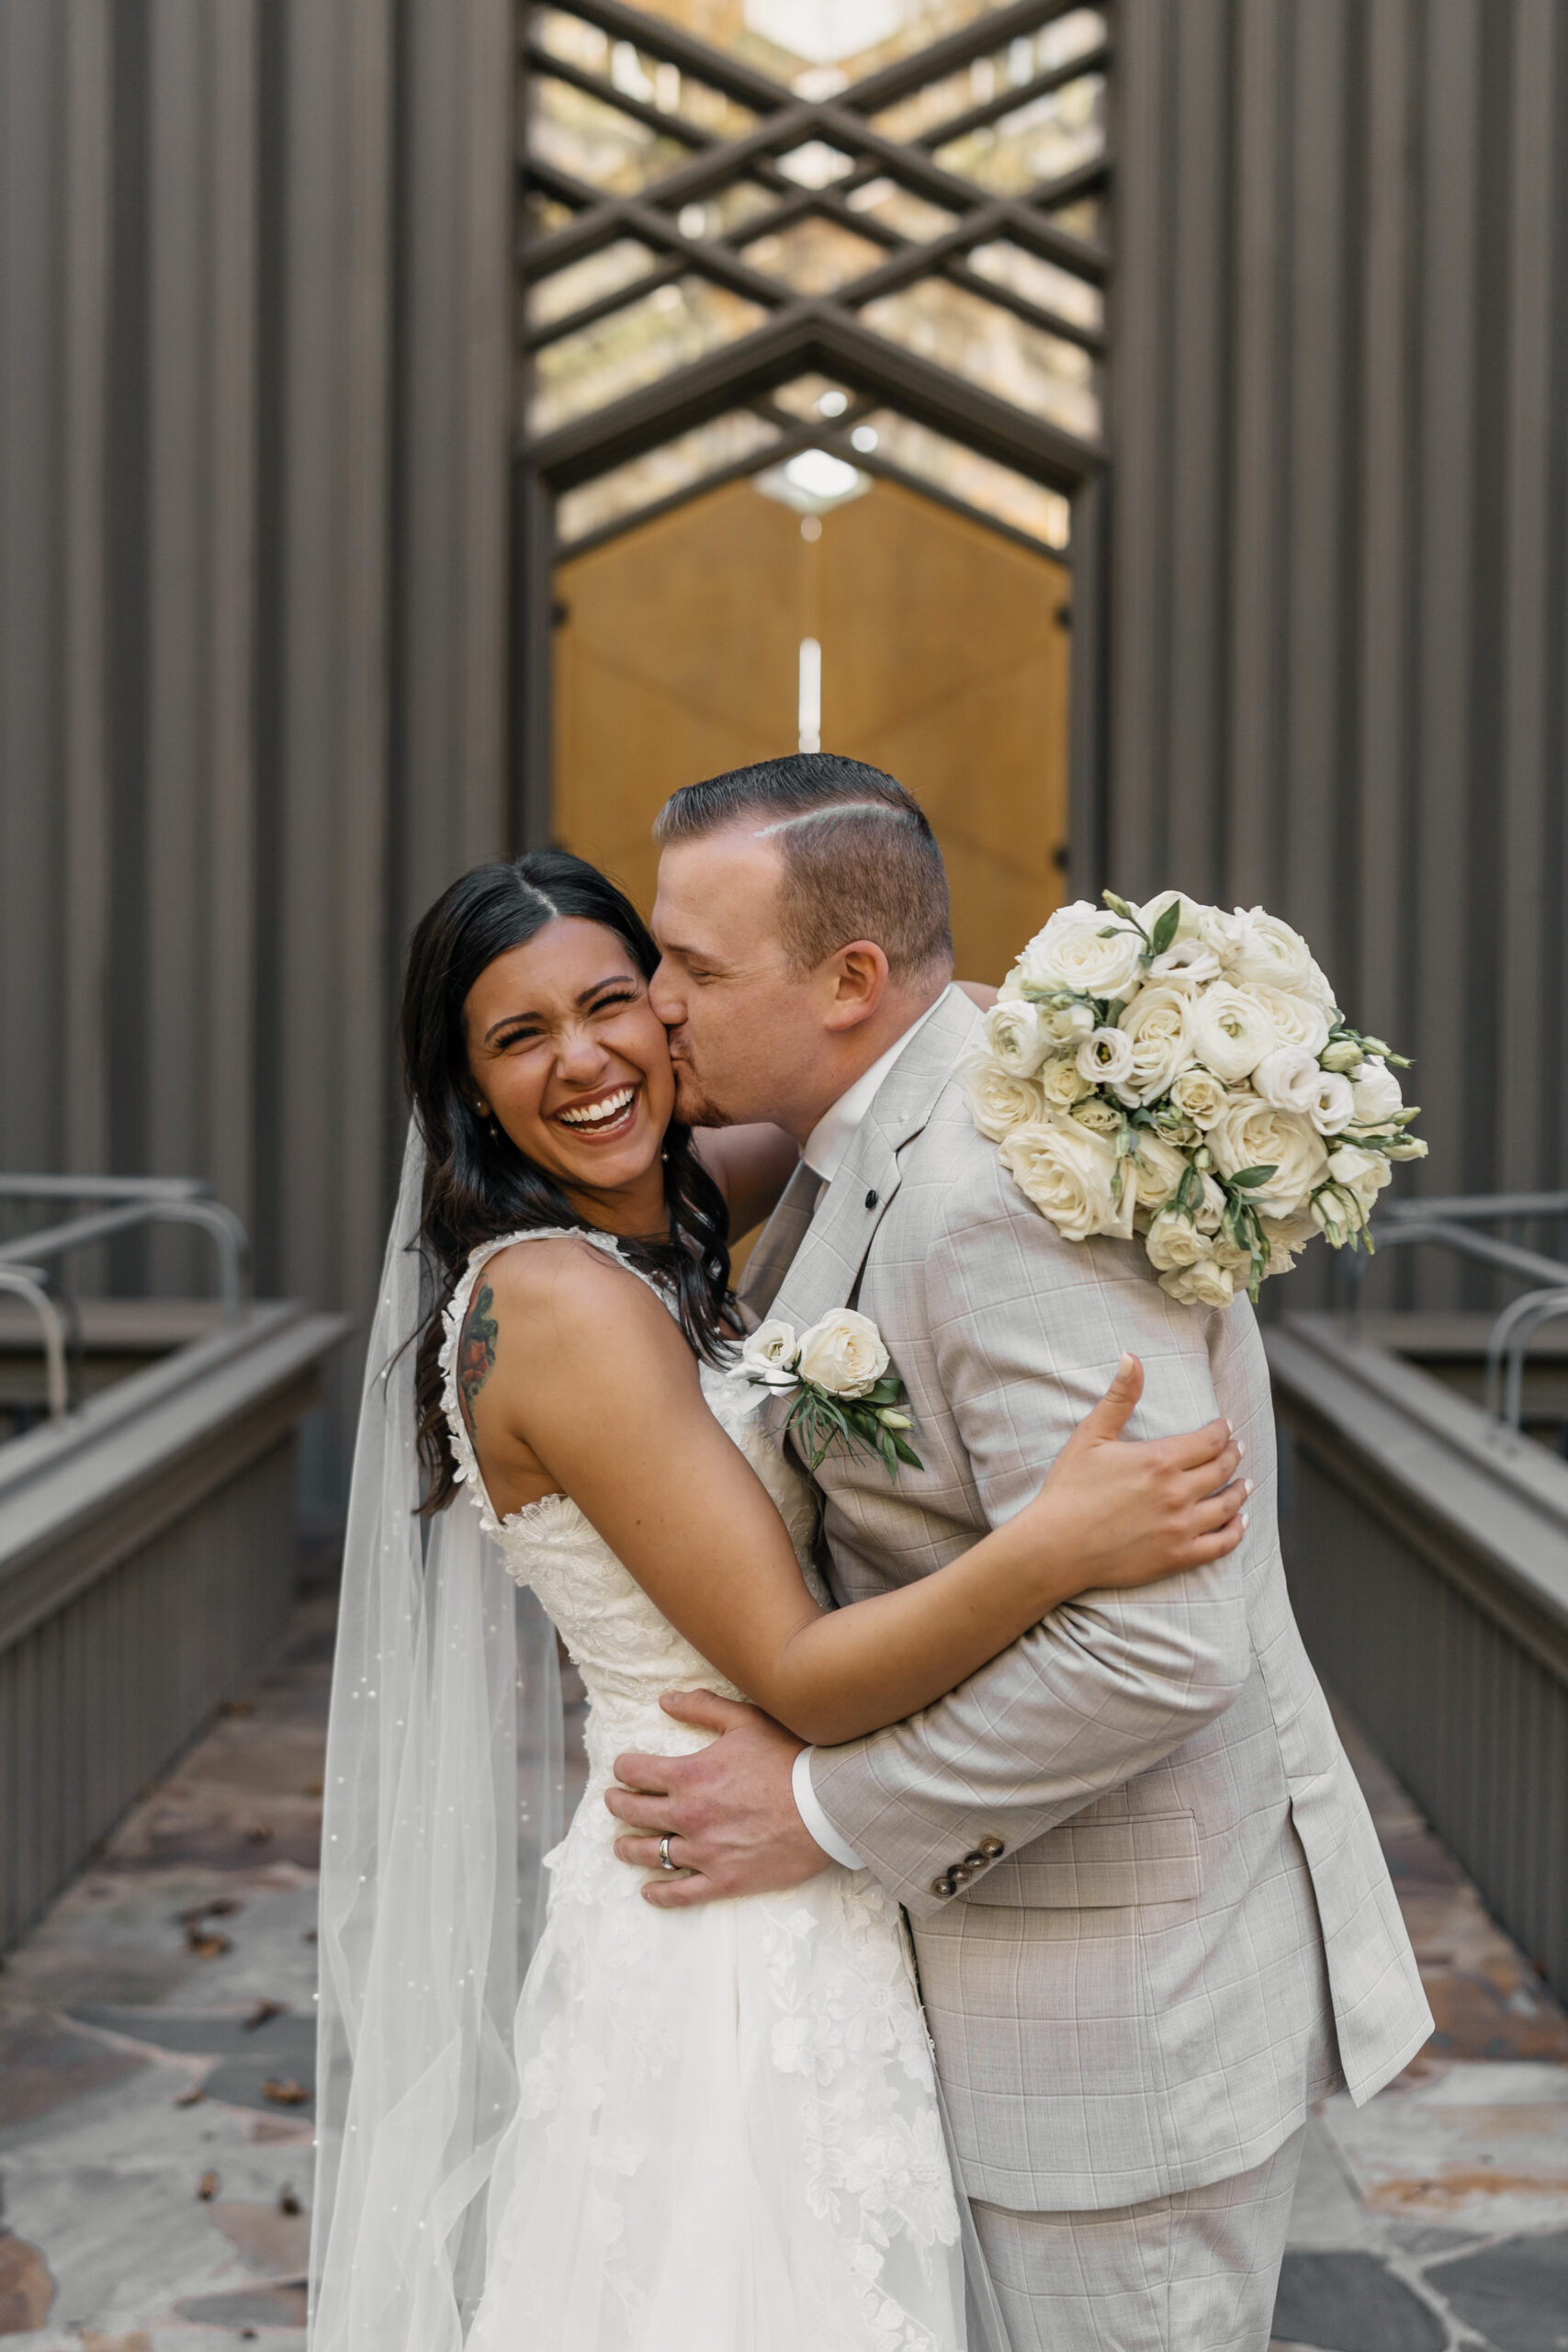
x: 1152, y: 1917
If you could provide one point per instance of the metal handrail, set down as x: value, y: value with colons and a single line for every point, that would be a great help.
x: 103, y: 1188
x: 1505, y: 1343
x: 1477, y: 1205
x: 1529, y: 1265
x: 1404, y: 1225
x: 210, y: 1216
x: 30, y: 1282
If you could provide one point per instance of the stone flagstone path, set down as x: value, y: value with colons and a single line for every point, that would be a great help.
x: 156, y: 2065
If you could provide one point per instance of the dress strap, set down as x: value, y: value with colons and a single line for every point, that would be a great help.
x: 456, y: 1316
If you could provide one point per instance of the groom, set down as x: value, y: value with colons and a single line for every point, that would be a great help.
x: 1152, y: 1919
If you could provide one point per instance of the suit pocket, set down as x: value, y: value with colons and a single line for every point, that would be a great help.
x: 1100, y: 1866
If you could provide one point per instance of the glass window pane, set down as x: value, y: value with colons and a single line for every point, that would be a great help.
x: 1085, y: 216
x: 809, y: 396
x: 1048, y: 137
x: 987, y: 78
x: 592, y: 142
x: 897, y: 209
x: 661, y: 473
x: 664, y: 330
x: 816, y: 164
x: 653, y: 80
x: 732, y: 207
x: 581, y: 282
x: 793, y: 38
x: 1035, y: 370
x: 813, y: 255
x: 1028, y: 506
x: 1041, y: 282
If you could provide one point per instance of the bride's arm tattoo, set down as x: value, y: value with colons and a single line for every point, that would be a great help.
x: 476, y: 1357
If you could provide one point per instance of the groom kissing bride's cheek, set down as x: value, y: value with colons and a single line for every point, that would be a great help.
x: 1152, y: 1921
x: 927, y: 1601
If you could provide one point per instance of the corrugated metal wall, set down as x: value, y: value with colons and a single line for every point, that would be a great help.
x: 254, y: 282
x: 1340, y: 578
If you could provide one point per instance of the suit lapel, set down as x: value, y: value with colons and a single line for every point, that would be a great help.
x: 781, y: 1237
x: 827, y: 1261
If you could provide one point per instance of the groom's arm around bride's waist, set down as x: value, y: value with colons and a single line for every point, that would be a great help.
x: 1019, y: 1332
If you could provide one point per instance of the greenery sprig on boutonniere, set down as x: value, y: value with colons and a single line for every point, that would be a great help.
x: 844, y: 1390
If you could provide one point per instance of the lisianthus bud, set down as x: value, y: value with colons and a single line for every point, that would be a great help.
x: 1342, y: 1054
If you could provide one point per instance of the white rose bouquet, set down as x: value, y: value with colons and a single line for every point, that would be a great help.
x: 842, y: 1386
x: 1182, y: 1074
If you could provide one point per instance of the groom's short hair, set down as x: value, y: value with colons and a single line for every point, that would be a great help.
x: 860, y: 858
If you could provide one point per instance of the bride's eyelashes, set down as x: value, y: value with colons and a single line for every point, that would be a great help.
x: 529, y: 1032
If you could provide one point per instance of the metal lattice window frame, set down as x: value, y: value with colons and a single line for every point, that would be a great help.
x: 821, y: 333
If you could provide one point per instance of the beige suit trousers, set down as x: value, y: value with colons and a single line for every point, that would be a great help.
x: 1195, y: 2271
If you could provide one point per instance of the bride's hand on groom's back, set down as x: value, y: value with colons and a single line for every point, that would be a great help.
x: 1128, y: 1511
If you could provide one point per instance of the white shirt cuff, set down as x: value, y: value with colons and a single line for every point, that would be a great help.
x: 817, y: 1822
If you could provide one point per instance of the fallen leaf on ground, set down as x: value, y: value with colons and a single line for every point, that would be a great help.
x: 288, y: 2204
x: 259, y: 1832
x: 262, y: 2010
x: 193, y: 2097
x: 206, y: 2187
x: 210, y: 1947
x: 285, y: 2094
x: 222, y: 1906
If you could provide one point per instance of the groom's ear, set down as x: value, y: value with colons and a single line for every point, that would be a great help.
x: 857, y: 977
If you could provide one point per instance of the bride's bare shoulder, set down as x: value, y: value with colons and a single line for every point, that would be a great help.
x: 566, y: 1289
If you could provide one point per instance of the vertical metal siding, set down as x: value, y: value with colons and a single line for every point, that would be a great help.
x: 255, y: 274
x: 98, y: 1698
x: 1340, y: 436
x: 1470, y: 1710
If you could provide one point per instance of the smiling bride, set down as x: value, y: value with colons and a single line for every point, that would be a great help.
x: 711, y: 2128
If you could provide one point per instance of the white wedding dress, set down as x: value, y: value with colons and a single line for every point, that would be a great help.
x: 729, y: 2138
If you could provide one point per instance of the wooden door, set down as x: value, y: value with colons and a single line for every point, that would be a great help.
x: 944, y: 661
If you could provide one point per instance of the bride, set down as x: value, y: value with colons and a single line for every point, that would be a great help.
x: 682, y: 2130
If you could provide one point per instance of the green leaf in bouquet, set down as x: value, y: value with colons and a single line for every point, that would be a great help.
x: 1166, y: 929
x: 904, y: 1451
x: 1250, y: 1176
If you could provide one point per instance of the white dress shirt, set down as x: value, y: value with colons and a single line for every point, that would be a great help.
x: 826, y: 1148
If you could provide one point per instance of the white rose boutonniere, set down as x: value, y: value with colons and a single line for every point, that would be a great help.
x: 844, y: 1387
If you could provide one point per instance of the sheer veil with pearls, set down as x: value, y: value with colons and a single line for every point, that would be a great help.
x: 443, y: 1795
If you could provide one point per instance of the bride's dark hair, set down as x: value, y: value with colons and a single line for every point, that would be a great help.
x: 478, y: 1185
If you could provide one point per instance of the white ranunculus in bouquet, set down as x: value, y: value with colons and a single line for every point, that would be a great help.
x: 1183, y: 1075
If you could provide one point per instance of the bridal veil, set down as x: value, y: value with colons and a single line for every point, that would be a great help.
x: 442, y: 1792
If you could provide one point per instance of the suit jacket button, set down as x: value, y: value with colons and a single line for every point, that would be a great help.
x: 943, y: 1885
x: 871, y: 1199
x: 959, y: 1876
x: 976, y: 1861
x: 991, y: 1848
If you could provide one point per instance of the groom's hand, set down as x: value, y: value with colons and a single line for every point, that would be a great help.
x: 730, y: 1810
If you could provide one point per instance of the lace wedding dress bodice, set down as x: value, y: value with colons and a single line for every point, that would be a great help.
x: 728, y: 2136
x: 625, y: 1649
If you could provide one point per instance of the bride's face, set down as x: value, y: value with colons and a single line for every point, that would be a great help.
x: 569, y: 1058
